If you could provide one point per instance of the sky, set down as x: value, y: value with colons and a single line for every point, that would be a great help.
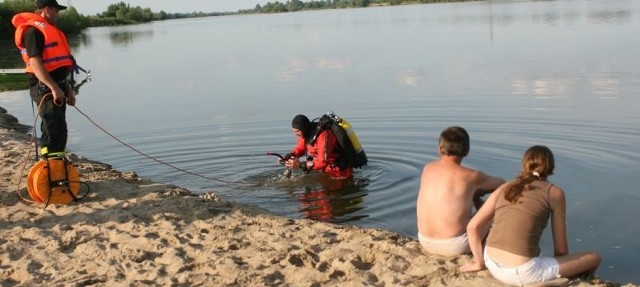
x: 92, y: 7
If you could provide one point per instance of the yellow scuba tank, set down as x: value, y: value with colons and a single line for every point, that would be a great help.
x: 53, y: 180
x: 350, y: 133
x: 346, y: 137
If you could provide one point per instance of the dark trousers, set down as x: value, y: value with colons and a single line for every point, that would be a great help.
x: 54, y: 124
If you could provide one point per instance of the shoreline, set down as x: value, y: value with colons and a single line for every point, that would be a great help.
x: 133, y: 231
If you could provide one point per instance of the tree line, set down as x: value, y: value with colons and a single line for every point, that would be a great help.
x: 121, y: 13
x: 72, y: 22
x: 298, y: 5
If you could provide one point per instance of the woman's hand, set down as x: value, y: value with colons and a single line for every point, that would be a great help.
x: 472, y: 266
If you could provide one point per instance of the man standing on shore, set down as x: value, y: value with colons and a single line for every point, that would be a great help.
x: 46, y: 53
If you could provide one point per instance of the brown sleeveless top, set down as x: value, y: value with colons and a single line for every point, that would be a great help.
x: 517, y: 227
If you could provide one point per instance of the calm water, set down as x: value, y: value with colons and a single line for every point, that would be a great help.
x: 214, y: 95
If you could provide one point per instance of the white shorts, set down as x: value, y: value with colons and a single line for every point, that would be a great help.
x: 445, y: 247
x: 538, y: 269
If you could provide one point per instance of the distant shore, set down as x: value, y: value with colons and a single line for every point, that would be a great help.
x: 130, y: 231
x: 12, y: 81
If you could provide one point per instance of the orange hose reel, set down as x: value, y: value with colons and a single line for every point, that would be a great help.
x: 53, y: 181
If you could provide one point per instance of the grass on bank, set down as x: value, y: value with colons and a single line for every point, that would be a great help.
x: 13, y: 82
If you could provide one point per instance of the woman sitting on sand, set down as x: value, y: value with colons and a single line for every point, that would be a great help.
x: 520, y: 210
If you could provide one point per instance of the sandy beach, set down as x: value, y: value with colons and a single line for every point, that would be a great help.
x: 131, y: 231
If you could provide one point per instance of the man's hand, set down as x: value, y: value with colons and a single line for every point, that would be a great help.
x: 292, y: 163
x: 478, y: 202
x: 71, y: 97
x: 58, y: 95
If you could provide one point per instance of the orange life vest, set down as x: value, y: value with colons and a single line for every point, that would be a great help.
x: 56, y: 52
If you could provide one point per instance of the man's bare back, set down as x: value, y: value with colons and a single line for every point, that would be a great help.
x: 445, y: 199
x: 447, y: 193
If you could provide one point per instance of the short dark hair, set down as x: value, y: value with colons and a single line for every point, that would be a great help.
x: 41, y: 4
x: 454, y: 141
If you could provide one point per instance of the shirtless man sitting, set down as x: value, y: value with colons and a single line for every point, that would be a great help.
x: 448, y: 191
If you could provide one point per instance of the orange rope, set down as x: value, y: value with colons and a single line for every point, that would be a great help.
x: 32, y: 141
x: 156, y: 159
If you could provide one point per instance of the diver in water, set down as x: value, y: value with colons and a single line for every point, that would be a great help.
x: 324, y: 153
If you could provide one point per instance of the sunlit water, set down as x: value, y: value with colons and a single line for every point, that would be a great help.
x: 213, y: 95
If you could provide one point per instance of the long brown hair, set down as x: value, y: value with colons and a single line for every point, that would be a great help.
x: 537, y: 164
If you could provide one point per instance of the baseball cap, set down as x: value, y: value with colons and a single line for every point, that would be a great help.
x: 40, y: 4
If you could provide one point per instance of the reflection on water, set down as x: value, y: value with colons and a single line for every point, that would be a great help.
x: 610, y: 16
x: 332, y: 201
x: 10, y: 56
x: 601, y: 86
x: 507, y: 13
x: 318, y: 196
x: 412, y: 78
x: 127, y: 38
x: 80, y: 40
x: 542, y: 87
x: 298, y: 66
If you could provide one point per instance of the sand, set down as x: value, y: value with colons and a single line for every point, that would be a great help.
x: 131, y: 231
